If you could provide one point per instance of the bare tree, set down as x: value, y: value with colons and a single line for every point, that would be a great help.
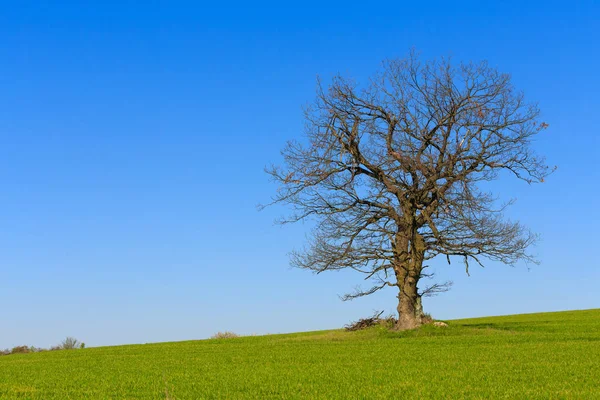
x: 70, y: 343
x: 391, y: 173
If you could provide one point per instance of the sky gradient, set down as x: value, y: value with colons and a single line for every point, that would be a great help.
x: 133, y: 141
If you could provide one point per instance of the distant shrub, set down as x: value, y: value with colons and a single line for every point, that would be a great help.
x: 70, y: 343
x: 224, y: 335
x: 33, y: 349
x: 20, y: 350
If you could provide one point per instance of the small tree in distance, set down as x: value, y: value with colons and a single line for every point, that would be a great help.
x: 70, y: 343
x: 391, y: 175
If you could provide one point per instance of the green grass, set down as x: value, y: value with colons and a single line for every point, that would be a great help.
x: 544, y: 356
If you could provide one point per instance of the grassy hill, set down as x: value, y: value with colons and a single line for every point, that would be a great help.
x: 548, y: 355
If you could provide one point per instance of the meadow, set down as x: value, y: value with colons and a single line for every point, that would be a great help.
x: 529, y: 356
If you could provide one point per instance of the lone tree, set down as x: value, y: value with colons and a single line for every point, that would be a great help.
x: 391, y: 174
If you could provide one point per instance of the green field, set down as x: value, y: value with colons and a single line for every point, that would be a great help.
x: 549, y: 355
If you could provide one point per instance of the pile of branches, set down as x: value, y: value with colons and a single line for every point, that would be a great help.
x: 374, y: 320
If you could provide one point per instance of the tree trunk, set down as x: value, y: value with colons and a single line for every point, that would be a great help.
x: 408, y: 273
x: 409, y: 305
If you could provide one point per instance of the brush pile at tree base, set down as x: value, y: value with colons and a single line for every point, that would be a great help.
x: 371, y: 321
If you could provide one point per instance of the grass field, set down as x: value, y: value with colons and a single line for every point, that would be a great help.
x: 544, y: 356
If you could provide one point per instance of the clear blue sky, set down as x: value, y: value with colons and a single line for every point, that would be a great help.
x: 134, y: 136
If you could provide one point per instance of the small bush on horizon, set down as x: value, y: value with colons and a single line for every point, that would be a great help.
x: 20, y: 350
x: 70, y: 343
x: 224, y: 335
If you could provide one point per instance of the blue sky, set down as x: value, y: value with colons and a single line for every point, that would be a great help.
x: 133, y: 141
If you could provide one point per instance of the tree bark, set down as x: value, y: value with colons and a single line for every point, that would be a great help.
x: 419, y: 310
x: 409, y: 308
x: 408, y: 272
